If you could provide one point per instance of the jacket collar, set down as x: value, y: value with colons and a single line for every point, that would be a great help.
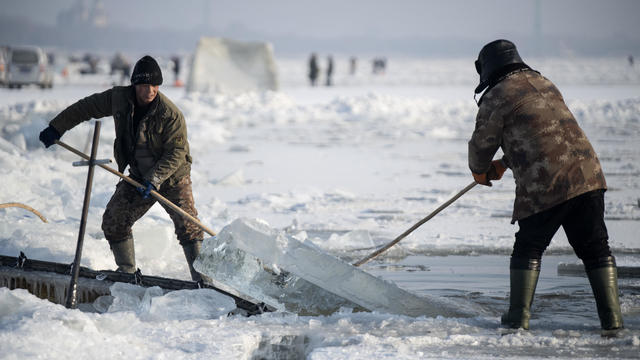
x: 502, y: 74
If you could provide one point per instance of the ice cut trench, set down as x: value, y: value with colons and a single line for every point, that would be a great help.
x: 273, y: 267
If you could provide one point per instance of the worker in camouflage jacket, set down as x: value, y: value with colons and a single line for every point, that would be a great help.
x: 151, y: 138
x: 559, y: 180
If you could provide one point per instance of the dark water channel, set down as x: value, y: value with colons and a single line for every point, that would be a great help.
x: 561, y: 301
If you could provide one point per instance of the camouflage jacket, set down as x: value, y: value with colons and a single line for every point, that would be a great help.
x: 543, y: 145
x: 166, y: 131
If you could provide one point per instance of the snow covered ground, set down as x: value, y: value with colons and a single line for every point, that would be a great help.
x: 348, y: 168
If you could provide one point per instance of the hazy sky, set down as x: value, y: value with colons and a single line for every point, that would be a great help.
x: 330, y: 18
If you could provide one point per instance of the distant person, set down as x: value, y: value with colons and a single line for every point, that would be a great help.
x: 352, y: 65
x: 559, y: 180
x: 119, y: 63
x: 93, y: 66
x: 176, y: 70
x: 329, y: 70
x: 630, y: 58
x: 383, y: 65
x: 51, y: 58
x: 126, y: 71
x: 151, y: 138
x: 313, y: 69
x: 92, y: 62
x: 379, y: 65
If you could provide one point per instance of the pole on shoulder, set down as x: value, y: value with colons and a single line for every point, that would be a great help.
x: 415, y: 226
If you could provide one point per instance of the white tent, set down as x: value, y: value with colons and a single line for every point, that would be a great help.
x: 224, y: 65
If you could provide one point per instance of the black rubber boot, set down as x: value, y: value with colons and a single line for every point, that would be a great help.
x: 603, y: 277
x: 191, y: 251
x: 524, y: 278
x: 125, y: 255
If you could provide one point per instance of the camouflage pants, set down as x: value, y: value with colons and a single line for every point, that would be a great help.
x: 127, y: 206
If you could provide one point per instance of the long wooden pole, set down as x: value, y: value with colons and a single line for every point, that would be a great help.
x: 415, y: 226
x: 153, y: 193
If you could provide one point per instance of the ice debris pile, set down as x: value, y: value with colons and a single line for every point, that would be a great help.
x: 273, y: 267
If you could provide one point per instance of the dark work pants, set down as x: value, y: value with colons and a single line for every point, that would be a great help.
x: 582, y: 219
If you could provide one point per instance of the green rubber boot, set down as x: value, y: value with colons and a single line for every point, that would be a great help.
x: 125, y: 255
x: 523, y: 278
x: 191, y: 252
x: 603, y: 277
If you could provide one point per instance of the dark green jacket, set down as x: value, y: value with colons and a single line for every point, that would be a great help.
x: 167, y: 131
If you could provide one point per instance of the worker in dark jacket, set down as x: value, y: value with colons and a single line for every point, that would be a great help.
x: 151, y: 138
x: 559, y: 180
x: 314, y: 70
x: 329, y: 81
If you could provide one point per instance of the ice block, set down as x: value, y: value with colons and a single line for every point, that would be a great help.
x: 272, y: 266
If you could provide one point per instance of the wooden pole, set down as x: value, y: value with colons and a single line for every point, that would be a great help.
x: 72, y: 296
x: 415, y: 226
x: 153, y: 193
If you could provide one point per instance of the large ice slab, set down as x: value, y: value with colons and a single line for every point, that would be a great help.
x: 271, y: 266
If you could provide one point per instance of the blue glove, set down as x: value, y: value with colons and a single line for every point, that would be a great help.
x: 145, y: 190
x: 49, y: 136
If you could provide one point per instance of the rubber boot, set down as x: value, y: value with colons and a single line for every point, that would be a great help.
x: 603, y: 277
x: 125, y: 255
x: 524, y: 278
x: 191, y: 251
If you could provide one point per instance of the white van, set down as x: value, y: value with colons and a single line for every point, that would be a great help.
x: 28, y: 65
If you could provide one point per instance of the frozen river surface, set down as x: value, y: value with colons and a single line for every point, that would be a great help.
x: 346, y: 168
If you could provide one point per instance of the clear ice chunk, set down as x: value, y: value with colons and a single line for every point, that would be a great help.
x: 271, y: 266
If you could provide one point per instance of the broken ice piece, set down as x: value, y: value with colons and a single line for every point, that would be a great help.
x: 275, y: 268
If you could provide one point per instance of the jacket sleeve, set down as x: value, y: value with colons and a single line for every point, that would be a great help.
x: 486, y: 139
x: 174, y: 138
x: 94, y: 106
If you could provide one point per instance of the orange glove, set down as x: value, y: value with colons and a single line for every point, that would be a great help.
x: 496, y: 170
x: 481, y: 179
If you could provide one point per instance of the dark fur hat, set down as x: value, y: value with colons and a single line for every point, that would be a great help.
x: 493, y: 57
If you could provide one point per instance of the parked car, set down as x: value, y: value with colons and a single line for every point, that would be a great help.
x: 3, y: 66
x: 28, y: 65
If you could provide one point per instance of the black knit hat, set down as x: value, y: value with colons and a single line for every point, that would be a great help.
x: 146, y: 71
